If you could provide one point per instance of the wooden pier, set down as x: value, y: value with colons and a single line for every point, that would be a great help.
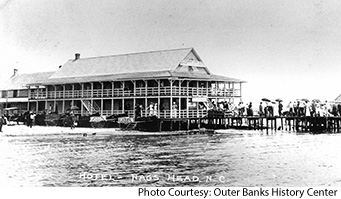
x: 290, y: 124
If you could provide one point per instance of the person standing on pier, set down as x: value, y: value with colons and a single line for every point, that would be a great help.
x: 151, y: 109
x: 313, y: 109
x: 296, y: 107
x: 31, y: 119
x: 141, y: 110
x: 137, y: 111
x: 266, y: 109
x: 275, y: 109
x: 308, y: 109
x: 73, y: 120
x: 270, y: 109
x: 260, y: 110
x: 226, y: 106
x: 2, y: 122
x: 249, y: 110
x: 280, y: 108
x: 301, y: 108
x: 28, y: 120
x: 339, y: 109
x: 175, y: 110
x: 241, y: 109
x: 155, y: 109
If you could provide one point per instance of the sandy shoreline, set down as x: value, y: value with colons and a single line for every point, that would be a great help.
x: 22, y: 130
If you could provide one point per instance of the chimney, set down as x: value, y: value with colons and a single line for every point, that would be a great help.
x: 77, y: 56
x: 15, y: 72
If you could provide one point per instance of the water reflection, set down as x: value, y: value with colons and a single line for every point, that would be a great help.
x: 241, y: 158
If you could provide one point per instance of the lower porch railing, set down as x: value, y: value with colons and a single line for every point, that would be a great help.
x: 158, y: 113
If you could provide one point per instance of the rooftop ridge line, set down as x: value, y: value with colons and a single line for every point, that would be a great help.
x: 136, y: 53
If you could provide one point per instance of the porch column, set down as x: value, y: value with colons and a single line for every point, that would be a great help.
x: 92, y: 90
x: 179, y: 107
x: 29, y: 92
x: 123, y: 88
x: 73, y: 90
x: 229, y: 91
x: 224, y: 93
x: 63, y: 106
x: 197, y: 107
x: 134, y: 85
x: 197, y: 87
x: 112, y: 106
x: 73, y: 95
x: 54, y: 93
x: 171, y: 98
x: 46, y: 105
x: 37, y: 93
x: 158, y: 98
x: 37, y: 106
x: 123, y: 104
x: 207, y: 90
x: 145, y: 99
x: 82, y: 92
x: 92, y: 95
x: 54, y: 98
x: 29, y: 98
x: 63, y: 91
x: 102, y: 84
x: 112, y: 89
x: 240, y: 91
x: 180, y: 94
x: 123, y: 94
x: 134, y: 99
x: 47, y: 92
x: 46, y: 97
x: 112, y: 97
x: 145, y: 107
x: 82, y: 96
x: 187, y: 99
x: 232, y: 92
x: 146, y: 86
x: 217, y: 94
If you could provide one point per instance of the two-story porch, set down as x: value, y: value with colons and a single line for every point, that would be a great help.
x: 117, y: 97
x: 171, y: 80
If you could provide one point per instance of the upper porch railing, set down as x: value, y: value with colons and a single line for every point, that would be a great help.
x: 139, y: 92
x: 158, y: 113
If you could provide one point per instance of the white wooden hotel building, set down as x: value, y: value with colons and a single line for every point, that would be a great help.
x: 177, y: 80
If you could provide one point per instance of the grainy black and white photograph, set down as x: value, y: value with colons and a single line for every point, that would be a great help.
x: 171, y: 93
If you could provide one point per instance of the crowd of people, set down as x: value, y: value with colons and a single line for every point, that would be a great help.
x: 269, y: 108
x: 266, y: 108
x: 153, y: 109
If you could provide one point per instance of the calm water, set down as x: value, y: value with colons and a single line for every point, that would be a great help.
x: 240, y: 158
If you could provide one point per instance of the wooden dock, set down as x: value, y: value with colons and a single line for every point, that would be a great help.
x: 291, y: 124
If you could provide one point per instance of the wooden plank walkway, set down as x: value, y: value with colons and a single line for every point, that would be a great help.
x: 297, y: 124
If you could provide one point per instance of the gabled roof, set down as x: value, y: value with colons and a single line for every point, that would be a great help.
x: 19, y: 81
x: 338, y: 98
x: 165, y: 60
x: 174, y: 64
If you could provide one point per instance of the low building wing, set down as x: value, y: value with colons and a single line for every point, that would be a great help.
x: 19, y: 81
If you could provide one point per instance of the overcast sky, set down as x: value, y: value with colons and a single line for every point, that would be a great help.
x: 284, y: 48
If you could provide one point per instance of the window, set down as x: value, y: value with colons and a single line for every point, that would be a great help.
x: 3, y: 94
x: 190, y: 68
